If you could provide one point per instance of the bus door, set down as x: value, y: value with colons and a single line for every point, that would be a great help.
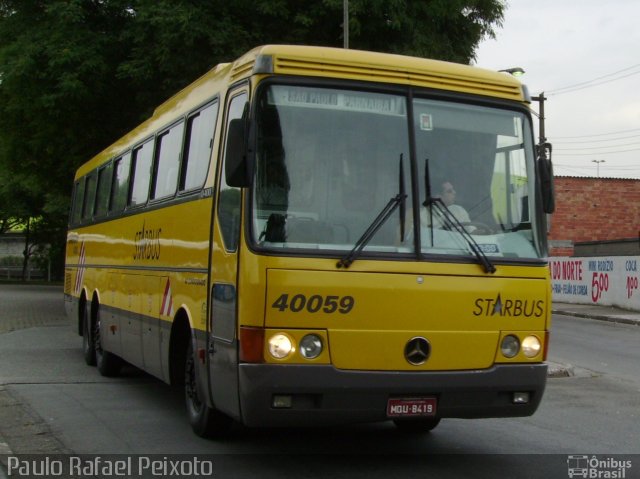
x: 223, y: 341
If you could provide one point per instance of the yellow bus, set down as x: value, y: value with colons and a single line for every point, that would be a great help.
x: 316, y: 236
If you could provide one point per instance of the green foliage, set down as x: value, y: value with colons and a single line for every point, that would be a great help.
x: 77, y: 74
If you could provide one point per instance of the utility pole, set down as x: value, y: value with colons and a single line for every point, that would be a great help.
x: 542, y: 134
x: 345, y: 23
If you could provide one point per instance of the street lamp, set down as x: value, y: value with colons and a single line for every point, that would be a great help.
x: 597, y: 162
x: 515, y: 71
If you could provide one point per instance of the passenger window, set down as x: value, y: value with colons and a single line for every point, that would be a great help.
x: 120, y: 186
x: 78, y: 197
x: 197, y: 153
x: 142, y: 157
x: 104, y: 190
x: 168, y: 148
x: 89, y: 197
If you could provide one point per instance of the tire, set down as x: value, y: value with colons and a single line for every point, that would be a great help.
x: 205, y: 421
x: 417, y: 425
x: 88, y: 345
x: 108, y: 363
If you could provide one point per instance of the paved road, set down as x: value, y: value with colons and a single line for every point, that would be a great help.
x: 51, y: 402
x: 28, y: 306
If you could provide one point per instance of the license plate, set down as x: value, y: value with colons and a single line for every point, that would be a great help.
x: 411, y: 407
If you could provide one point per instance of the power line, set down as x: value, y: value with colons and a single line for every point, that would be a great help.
x: 600, y: 153
x: 578, y: 142
x: 592, y: 85
x: 596, y: 135
x: 595, y: 81
x: 597, y: 147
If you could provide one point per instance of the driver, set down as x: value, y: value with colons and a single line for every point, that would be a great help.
x: 448, y: 196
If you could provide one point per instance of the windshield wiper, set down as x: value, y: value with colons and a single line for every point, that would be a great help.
x: 454, y: 223
x: 395, y: 202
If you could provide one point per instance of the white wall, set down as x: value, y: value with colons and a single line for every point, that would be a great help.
x: 603, y: 280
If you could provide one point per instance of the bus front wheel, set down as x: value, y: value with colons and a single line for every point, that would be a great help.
x: 205, y: 421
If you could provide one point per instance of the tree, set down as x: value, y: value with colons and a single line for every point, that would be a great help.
x: 59, y: 100
x: 174, y: 42
x: 77, y: 74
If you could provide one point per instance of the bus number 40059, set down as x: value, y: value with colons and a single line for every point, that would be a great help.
x: 314, y: 304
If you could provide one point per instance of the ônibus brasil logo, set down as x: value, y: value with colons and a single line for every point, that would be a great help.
x: 595, y: 467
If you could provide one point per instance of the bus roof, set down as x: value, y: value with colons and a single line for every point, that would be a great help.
x: 379, y: 67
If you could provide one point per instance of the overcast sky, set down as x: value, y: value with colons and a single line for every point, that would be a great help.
x: 585, y: 56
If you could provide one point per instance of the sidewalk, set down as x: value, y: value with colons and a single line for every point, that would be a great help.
x: 602, y: 313
x: 588, y: 311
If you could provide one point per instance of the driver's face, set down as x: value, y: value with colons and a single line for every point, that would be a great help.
x: 448, y: 194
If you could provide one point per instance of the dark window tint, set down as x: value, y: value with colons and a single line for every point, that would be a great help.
x: 168, y: 148
x: 104, y: 190
x: 200, y: 130
x: 142, y: 157
x: 120, y: 187
x: 78, y: 198
x: 89, y: 197
x: 229, y: 201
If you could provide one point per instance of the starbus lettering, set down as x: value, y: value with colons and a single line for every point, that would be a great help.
x: 147, y: 243
x: 508, y: 307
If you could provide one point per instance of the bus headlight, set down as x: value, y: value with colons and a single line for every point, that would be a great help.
x: 510, y: 346
x: 531, y: 346
x: 311, y: 346
x: 280, y: 346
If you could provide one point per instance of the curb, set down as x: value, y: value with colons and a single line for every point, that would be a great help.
x: 558, y: 370
x: 612, y: 318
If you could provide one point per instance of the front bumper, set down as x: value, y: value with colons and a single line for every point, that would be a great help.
x: 322, y: 395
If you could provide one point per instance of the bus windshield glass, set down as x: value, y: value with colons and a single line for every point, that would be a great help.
x: 329, y: 160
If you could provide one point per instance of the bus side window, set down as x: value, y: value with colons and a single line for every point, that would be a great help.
x: 78, y: 198
x: 89, y: 197
x: 229, y: 201
x: 120, y: 186
x: 142, y: 157
x: 104, y: 190
x: 168, y: 147
x: 197, y: 149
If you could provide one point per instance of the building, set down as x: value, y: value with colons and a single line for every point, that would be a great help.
x: 11, y: 245
x: 595, y: 216
x: 12, y: 257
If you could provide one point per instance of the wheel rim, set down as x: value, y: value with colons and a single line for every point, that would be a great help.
x: 86, y: 339
x: 97, y: 342
x: 191, y: 388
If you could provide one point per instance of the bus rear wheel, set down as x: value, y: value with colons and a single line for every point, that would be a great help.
x: 205, y: 421
x: 417, y: 425
x: 88, y: 345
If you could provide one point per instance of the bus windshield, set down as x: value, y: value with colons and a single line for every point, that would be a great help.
x: 328, y: 160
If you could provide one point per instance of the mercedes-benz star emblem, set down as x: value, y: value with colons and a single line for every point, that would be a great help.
x: 417, y: 351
